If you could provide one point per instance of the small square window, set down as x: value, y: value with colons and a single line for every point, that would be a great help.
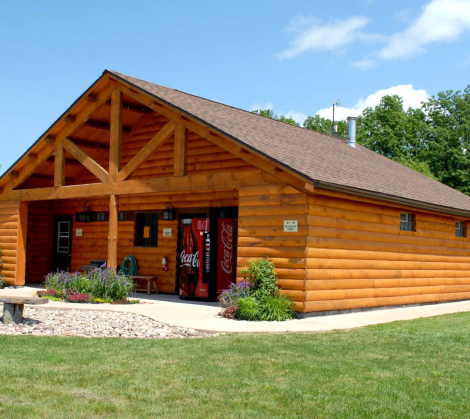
x: 407, y: 222
x: 460, y: 229
x: 146, y: 230
x: 100, y: 216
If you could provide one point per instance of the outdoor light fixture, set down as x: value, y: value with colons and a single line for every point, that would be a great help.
x: 169, y: 213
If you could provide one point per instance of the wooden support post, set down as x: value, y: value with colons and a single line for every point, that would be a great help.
x: 21, y: 243
x: 115, y: 138
x: 181, y: 150
x: 59, y: 166
x: 113, y: 231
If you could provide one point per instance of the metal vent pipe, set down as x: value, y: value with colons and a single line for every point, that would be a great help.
x: 352, y: 131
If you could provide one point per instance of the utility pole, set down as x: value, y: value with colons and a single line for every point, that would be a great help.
x: 336, y: 103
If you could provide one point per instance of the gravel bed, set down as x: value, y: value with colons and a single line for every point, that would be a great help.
x: 45, y: 322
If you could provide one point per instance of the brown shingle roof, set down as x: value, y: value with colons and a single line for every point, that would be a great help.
x: 317, y: 156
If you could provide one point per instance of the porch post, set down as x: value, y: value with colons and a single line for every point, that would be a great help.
x: 59, y: 166
x: 113, y: 231
x: 115, y: 137
x: 20, y: 273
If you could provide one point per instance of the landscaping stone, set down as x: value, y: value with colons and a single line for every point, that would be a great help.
x: 40, y: 322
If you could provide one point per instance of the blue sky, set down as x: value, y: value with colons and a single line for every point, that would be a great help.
x: 295, y: 57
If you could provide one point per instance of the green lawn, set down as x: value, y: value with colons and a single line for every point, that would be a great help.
x: 404, y: 369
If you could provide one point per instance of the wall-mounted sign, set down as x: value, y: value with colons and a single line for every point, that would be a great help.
x: 79, y: 232
x: 291, y: 226
x: 167, y: 232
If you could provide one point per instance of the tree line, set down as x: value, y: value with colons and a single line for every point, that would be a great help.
x: 433, y: 140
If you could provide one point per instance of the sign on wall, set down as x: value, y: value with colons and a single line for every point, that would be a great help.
x: 167, y: 232
x: 291, y: 226
x: 79, y: 232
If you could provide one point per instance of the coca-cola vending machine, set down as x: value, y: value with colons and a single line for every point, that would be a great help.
x: 194, y: 258
x: 226, y: 248
x: 207, y: 256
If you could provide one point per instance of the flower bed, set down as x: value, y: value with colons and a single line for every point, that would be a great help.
x: 257, y: 297
x: 99, y: 286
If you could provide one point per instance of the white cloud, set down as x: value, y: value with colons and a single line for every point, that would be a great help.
x: 312, y: 36
x: 412, y: 98
x: 256, y: 106
x: 440, y: 21
x: 299, y: 117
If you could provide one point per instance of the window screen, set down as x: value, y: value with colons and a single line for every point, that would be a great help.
x: 406, y: 221
x: 146, y: 230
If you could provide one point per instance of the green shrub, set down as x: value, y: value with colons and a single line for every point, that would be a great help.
x: 64, y: 282
x: 261, y: 273
x: 104, y: 284
x: 248, y: 309
x: 109, y: 284
x: 101, y: 300
x: 277, y: 307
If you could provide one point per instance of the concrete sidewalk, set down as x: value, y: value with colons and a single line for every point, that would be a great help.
x: 204, y: 316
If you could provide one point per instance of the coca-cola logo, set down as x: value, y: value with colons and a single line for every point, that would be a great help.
x: 226, y: 237
x: 189, y: 259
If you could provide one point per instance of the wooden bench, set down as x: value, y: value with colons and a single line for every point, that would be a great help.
x: 13, y: 307
x: 151, y: 281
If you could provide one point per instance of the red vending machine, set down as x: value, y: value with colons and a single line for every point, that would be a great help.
x: 226, y: 249
x: 195, y: 258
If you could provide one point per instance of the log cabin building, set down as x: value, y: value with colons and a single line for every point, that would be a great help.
x: 345, y: 227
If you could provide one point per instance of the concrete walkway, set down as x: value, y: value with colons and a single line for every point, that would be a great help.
x: 204, y: 316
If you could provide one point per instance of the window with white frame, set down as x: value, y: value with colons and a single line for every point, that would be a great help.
x: 460, y: 229
x: 407, y: 221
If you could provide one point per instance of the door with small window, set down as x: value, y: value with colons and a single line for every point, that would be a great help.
x: 62, y: 243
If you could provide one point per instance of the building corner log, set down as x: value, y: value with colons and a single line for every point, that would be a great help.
x: 20, y: 274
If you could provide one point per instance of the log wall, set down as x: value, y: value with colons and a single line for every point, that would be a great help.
x: 262, y: 211
x: 358, y: 257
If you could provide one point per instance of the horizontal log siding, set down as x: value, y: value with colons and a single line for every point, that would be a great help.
x: 8, y: 240
x: 358, y: 257
x: 262, y: 211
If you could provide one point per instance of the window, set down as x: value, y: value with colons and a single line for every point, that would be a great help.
x: 146, y: 230
x: 100, y: 216
x: 460, y: 229
x: 407, y: 222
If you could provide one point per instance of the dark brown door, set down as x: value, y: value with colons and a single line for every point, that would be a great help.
x: 62, y: 248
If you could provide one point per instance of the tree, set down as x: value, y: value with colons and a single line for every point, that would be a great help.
x: 325, y: 126
x: 268, y: 113
x: 448, y: 142
x: 395, y: 133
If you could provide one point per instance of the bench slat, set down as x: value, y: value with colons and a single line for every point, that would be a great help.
x: 23, y: 300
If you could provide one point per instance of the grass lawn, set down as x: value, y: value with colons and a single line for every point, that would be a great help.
x: 419, y: 368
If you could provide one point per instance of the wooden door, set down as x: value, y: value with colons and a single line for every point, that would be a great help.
x: 62, y: 247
